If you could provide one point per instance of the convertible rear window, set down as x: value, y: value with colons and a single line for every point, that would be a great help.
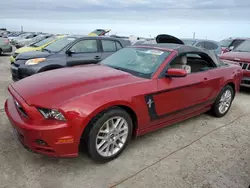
x: 142, y: 62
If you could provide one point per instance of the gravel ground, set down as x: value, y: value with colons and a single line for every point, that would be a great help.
x: 202, y: 152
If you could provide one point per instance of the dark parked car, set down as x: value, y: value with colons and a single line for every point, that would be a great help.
x: 229, y: 44
x: 66, y: 52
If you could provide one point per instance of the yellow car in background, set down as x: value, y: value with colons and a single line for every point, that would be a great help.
x: 99, y: 32
x: 36, y: 46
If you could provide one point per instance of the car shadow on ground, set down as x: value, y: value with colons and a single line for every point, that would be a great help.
x: 137, y: 142
x: 4, y: 55
x: 245, y: 90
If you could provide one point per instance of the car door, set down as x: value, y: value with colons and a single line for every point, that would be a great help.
x: 109, y: 47
x: 83, y: 52
x: 178, y: 97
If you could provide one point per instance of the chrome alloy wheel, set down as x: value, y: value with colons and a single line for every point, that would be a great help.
x: 112, y: 136
x: 225, y: 101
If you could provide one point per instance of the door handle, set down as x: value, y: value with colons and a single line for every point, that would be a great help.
x: 205, y: 79
x: 97, y: 57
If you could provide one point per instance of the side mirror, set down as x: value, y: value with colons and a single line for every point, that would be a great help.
x: 231, y: 48
x: 173, y: 72
x: 70, y: 52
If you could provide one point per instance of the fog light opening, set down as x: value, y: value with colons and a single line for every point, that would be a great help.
x: 41, y: 142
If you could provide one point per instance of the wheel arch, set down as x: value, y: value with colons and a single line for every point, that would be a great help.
x: 50, y: 67
x: 97, y: 113
x: 232, y: 84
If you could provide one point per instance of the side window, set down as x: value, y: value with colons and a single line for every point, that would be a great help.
x: 118, y: 45
x: 200, y: 45
x: 193, y: 62
x: 85, y: 46
x: 210, y: 46
x: 108, y: 46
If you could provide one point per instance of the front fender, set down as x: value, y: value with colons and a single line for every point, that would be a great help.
x: 110, y: 105
x: 86, y: 107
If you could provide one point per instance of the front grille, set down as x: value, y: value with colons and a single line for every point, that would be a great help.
x: 21, y: 110
x: 245, y: 82
x: 245, y: 66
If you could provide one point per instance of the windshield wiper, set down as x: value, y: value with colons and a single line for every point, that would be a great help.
x: 118, y: 68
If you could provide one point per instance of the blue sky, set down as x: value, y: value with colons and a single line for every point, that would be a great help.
x: 210, y: 19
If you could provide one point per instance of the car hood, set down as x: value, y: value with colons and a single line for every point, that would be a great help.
x: 236, y: 56
x: 33, y: 54
x: 25, y: 49
x: 52, y: 88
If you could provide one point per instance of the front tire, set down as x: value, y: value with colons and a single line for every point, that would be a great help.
x: 110, y: 135
x: 223, y: 101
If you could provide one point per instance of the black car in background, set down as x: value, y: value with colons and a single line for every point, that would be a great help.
x: 66, y: 52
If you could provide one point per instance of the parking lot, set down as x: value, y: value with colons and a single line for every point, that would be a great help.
x: 204, y: 152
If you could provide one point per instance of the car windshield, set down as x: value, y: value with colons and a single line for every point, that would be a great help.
x: 225, y: 43
x: 43, y: 42
x: 243, y: 47
x: 141, y: 62
x: 59, y: 44
x: 188, y: 42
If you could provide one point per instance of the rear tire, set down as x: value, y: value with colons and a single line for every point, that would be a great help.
x: 223, y: 101
x: 110, y: 135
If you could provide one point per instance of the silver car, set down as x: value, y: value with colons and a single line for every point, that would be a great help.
x: 206, y: 44
x: 24, y: 38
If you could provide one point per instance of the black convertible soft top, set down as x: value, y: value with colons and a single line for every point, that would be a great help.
x: 173, y: 43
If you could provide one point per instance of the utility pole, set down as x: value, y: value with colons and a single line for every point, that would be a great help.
x: 21, y: 28
x: 194, y: 35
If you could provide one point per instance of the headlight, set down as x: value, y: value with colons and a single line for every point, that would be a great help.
x: 34, y: 61
x: 51, y: 114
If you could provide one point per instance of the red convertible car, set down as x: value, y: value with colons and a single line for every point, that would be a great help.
x: 132, y: 92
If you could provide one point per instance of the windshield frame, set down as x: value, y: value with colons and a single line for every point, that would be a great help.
x: 167, y: 54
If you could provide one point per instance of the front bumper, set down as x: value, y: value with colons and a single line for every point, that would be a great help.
x: 58, y: 137
x: 20, y: 71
